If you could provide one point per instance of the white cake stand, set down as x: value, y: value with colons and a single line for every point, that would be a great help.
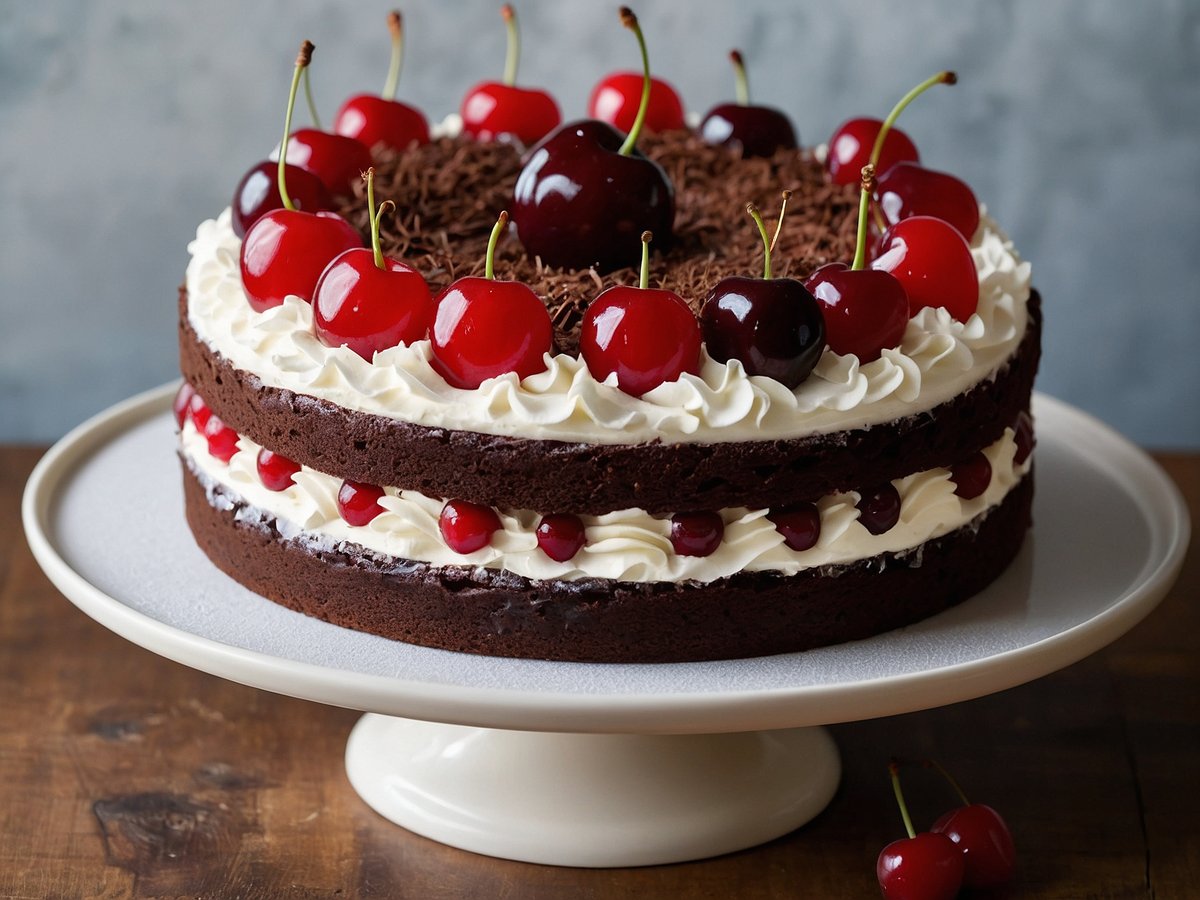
x: 602, y: 765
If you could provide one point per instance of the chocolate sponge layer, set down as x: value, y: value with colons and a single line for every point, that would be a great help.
x: 558, y: 476
x: 476, y: 610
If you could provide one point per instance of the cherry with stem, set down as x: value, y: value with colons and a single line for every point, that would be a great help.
x: 925, y: 866
x: 755, y: 130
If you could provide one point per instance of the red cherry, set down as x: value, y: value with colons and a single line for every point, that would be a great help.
x: 933, y: 262
x: 199, y: 412
x: 972, y: 476
x: 182, y: 402
x: 615, y: 100
x: 800, y: 525
x: 907, y: 189
x: 865, y: 313
x: 928, y: 866
x: 483, y: 328
x: 358, y: 503
x: 561, y: 536
x: 696, y: 533
x: 258, y: 193
x: 274, y: 470
x: 879, y: 508
x: 497, y: 110
x: 286, y: 251
x: 1023, y: 437
x: 337, y: 160
x: 383, y: 121
x: 222, y: 440
x: 985, y: 842
x: 850, y: 149
x: 466, y: 526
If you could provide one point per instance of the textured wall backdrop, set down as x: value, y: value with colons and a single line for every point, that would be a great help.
x: 125, y: 122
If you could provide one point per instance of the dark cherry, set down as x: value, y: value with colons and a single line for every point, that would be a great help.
x: 755, y: 130
x: 182, y: 402
x: 275, y: 470
x: 358, y: 503
x: 615, y: 100
x: 646, y: 337
x: 986, y: 844
x: 286, y: 251
x: 467, y: 527
x: 258, y: 193
x: 560, y: 536
x: 696, y: 533
x: 367, y: 301
x: 972, y: 476
x: 499, y: 110
x: 382, y: 120
x: 799, y: 523
x: 483, y: 328
x: 850, y: 149
x: 865, y: 310
x: 222, y: 440
x: 586, y: 194
x: 925, y: 866
x: 907, y: 189
x: 933, y: 262
x: 1023, y: 437
x: 879, y: 508
x: 772, y: 325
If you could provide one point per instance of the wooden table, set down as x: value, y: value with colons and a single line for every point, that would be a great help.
x: 124, y: 774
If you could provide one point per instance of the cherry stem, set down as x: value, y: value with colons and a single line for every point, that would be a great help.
x: 934, y: 764
x: 939, y: 78
x: 312, y: 104
x: 864, y: 203
x: 762, y: 229
x: 376, y: 214
x: 489, y: 265
x: 787, y: 195
x: 396, y: 29
x: 894, y: 771
x: 644, y: 275
x: 629, y: 20
x: 512, y: 53
x: 303, y: 58
x: 740, y: 81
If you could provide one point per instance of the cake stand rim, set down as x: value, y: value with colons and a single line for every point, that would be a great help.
x: 679, y: 713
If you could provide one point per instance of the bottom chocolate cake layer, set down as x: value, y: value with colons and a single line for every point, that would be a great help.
x: 490, y: 612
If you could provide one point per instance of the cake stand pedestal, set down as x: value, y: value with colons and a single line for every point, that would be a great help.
x: 589, y: 764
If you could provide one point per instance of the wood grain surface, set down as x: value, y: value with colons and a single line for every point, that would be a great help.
x: 125, y: 775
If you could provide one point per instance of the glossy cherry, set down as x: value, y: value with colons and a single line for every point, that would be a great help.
x: 645, y: 337
x: 1023, y: 437
x: 358, y: 503
x: 879, y: 508
x: 367, y: 301
x: 258, y: 193
x: 585, y: 194
x: 772, y: 325
x: 286, y: 250
x: 907, y: 189
x: 971, y: 476
x: 696, y: 533
x: 467, y: 527
x: 989, y: 855
x: 499, y: 110
x: 756, y: 130
x: 382, y: 120
x: 182, y: 402
x: 865, y: 310
x: 275, y: 470
x: 850, y: 149
x: 337, y: 160
x: 560, y: 536
x: 925, y: 866
x: 222, y: 440
x: 483, y: 328
x: 933, y: 262
x: 799, y: 523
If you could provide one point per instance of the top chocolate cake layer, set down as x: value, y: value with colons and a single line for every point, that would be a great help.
x: 448, y: 194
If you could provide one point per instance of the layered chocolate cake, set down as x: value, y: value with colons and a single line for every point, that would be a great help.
x: 557, y: 512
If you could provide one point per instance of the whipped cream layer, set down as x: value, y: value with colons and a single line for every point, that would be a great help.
x: 938, y: 359
x: 627, y: 545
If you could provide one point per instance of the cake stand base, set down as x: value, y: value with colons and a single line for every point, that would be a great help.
x: 596, y: 800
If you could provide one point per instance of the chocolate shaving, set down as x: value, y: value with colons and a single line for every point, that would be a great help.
x: 448, y: 194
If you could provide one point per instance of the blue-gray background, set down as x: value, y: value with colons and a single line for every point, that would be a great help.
x: 125, y: 122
